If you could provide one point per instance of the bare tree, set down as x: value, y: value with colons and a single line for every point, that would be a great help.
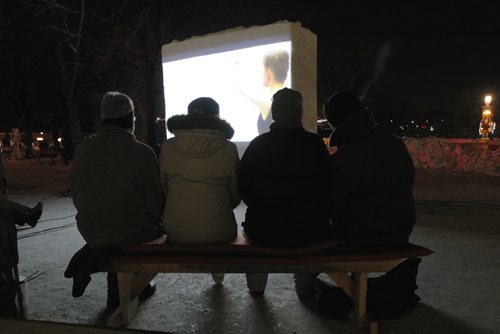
x: 94, y: 47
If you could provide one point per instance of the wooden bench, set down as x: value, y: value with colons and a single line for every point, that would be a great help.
x: 348, y: 268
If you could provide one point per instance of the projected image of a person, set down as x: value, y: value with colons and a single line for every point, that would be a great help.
x: 275, y: 71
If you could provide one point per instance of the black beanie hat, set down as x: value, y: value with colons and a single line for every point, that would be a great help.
x: 340, y: 106
x: 204, y: 106
x: 287, y: 106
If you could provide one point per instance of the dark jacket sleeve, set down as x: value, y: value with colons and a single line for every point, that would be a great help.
x: 246, y: 173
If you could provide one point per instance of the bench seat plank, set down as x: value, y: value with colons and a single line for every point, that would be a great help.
x: 239, y: 245
x: 331, y: 260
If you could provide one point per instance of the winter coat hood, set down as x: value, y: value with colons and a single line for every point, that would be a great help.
x: 190, y: 122
x: 198, y: 136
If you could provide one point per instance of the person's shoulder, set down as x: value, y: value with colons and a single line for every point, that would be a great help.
x: 89, y: 143
x: 143, y: 148
x: 261, y: 138
x: 232, y: 146
x: 390, y: 138
x: 388, y: 135
x: 312, y: 137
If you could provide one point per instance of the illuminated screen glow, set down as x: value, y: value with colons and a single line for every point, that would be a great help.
x: 234, y: 77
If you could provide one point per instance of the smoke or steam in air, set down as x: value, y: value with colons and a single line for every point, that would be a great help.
x: 382, y: 57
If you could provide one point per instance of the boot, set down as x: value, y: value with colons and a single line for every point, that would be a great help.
x: 35, y: 215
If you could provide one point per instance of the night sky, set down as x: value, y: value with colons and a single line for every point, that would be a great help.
x: 434, y: 59
x: 442, y: 55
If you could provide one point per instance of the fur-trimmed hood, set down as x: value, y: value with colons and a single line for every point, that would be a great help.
x: 191, y: 122
x: 198, y: 136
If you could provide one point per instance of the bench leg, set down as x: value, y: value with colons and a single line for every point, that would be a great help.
x: 130, y: 286
x: 344, y: 281
x: 360, y: 290
x: 355, y: 286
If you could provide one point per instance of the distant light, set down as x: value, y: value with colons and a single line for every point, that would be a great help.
x: 41, y: 133
x: 487, y: 99
x: 412, y: 122
x: 487, y: 112
x: 39, y: 138
x: 391, y: 120
x: 432, y: 129
x: 59, y: 139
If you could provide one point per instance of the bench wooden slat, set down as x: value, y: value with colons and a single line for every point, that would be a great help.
x: 239, y: 245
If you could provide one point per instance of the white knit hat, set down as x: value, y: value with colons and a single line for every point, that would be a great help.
x: 116, y: 105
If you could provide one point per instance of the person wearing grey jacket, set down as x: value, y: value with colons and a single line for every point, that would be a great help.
x: 115, y: 181
x: 116, y: 190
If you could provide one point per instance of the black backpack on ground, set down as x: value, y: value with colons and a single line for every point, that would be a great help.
x: 390, y: 295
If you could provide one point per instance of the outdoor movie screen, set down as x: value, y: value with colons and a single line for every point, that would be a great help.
x: 235, y: 77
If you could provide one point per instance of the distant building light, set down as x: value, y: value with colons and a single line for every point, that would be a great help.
x: 59, y: 139
x: 432, y: 129
x: 39, y: 138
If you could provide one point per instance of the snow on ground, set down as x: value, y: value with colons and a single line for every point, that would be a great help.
x: 458, y: 210
x: 470, y: 155
x: 440, y: 154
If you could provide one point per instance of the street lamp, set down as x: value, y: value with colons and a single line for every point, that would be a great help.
x: 487, y: 100
x: 487, y: 126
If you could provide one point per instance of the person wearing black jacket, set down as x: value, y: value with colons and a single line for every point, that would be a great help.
x: 372, y: 177
x: 280, y: 179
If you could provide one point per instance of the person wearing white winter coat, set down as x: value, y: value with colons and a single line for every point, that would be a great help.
x: 198, y: 169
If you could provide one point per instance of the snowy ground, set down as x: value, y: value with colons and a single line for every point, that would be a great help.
x: 458, y: 217
x: 471, y: 155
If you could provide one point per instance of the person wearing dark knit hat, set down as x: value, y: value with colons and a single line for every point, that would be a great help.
x: 204, y: 106
x: 340, y: 106
x: 287, y: 107
x: 372, y: 177
x: 280, y: 179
